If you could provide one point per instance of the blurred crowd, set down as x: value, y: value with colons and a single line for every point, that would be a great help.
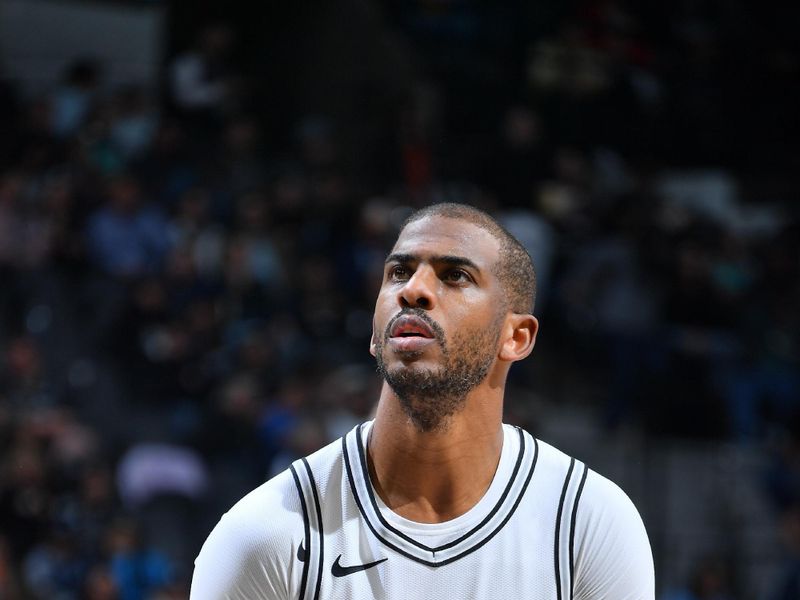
x: 186, y: 303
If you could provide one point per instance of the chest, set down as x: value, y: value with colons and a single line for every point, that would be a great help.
x: 516, y: 560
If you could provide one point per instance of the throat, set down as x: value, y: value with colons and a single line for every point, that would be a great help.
x: 436, y: 481
x: 428, y: 508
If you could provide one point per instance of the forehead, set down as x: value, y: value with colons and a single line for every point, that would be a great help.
x: 448, y: 236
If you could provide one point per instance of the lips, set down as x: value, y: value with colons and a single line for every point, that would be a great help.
x: 411, y: 326
x: 410, y: 334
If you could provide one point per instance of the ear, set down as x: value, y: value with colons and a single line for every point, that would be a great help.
x: 520, y: 337
x: 372, y: 343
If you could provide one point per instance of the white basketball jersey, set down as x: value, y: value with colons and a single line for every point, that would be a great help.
x: 548, y: 528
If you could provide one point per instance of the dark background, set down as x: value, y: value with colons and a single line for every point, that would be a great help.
x: 188, y: 266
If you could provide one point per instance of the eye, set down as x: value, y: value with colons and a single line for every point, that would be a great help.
x: 397, y: 273
x: 456, y: 276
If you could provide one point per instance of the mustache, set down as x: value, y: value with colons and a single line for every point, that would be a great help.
x: 437, y: 330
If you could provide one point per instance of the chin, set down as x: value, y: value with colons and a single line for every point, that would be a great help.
x: 415, y: 363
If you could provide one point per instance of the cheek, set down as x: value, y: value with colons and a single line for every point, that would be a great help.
x: 384, y: 310
x: 481, y: 322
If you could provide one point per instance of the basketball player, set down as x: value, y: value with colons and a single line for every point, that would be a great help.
x: 436, y: 498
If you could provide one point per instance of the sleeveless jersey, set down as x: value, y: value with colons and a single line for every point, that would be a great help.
x: 548, y: 528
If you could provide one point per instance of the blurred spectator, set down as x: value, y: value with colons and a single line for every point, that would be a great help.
x: 85, y: 508
x: 161, y: 484
x: 127, y: 237
x: 240, y: 163
x: 194, y: 230
x: 30, y: 222
x: 253, y: 239
x: 138, y: 571
x: 702, y: 322
x: 23, y: 376
x: 56, y: 568
x: 610, y: 298
x: 254, y: 269
x: 172, y: 165
x: 134, y: 122
x: 762, y: 385
x: 203, y: 86
x: 74, y: 99
x: 148, y: 469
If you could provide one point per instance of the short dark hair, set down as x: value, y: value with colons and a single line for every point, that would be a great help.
x: 515, y: 267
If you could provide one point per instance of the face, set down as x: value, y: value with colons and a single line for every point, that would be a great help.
x: 438, y: 317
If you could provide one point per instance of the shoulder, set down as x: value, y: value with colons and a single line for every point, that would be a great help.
x: 248, y: 517
x: 613, y: 558
x: 249, y: 549
x: 598, y: 498
x: 551, y: 460
x: 604, y: 536
x: 603, y: 500
x: 250, y: 552
x: 273, y: 510
x: 556, y: 471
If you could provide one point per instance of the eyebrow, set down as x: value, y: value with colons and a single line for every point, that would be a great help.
x: 456, y: 261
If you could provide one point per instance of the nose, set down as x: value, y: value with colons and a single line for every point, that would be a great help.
x: 419, y: 290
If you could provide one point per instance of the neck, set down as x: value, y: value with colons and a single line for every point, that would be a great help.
x: 435, y: 476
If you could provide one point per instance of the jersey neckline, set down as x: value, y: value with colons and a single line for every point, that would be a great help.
x: 466, y: 521
x: 460, y: 536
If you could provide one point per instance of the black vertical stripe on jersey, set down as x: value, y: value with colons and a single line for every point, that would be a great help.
x: 307, y: 533
x: 572, y: 533
x: 319, y: 522
x: 558, y: 526
x: 410, y: 556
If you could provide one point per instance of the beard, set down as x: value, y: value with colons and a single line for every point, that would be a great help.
x: 429, y: 397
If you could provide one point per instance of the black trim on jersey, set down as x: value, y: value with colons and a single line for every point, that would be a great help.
x: 516, y: 502
x: 572, y: 533
x: 495, y: 508
x: 361, y: 508
x: 321, y: 532
x: 307, y: 532
x: 558, y: 526
x: 470, y: 550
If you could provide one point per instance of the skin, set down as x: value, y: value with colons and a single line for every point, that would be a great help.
x: 437, y: 475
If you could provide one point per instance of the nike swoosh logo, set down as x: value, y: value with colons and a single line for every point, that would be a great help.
x: 302, y: 553
x: 337, y: 570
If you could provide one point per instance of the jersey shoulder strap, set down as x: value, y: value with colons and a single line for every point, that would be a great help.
x: 566, y: 515
x: 312, y: 551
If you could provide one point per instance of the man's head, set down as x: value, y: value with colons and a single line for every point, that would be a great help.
x: 514, y: 267
x: 453, y: 310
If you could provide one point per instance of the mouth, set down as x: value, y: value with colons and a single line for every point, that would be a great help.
x: 409, y: 335
x: 410, y: 326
